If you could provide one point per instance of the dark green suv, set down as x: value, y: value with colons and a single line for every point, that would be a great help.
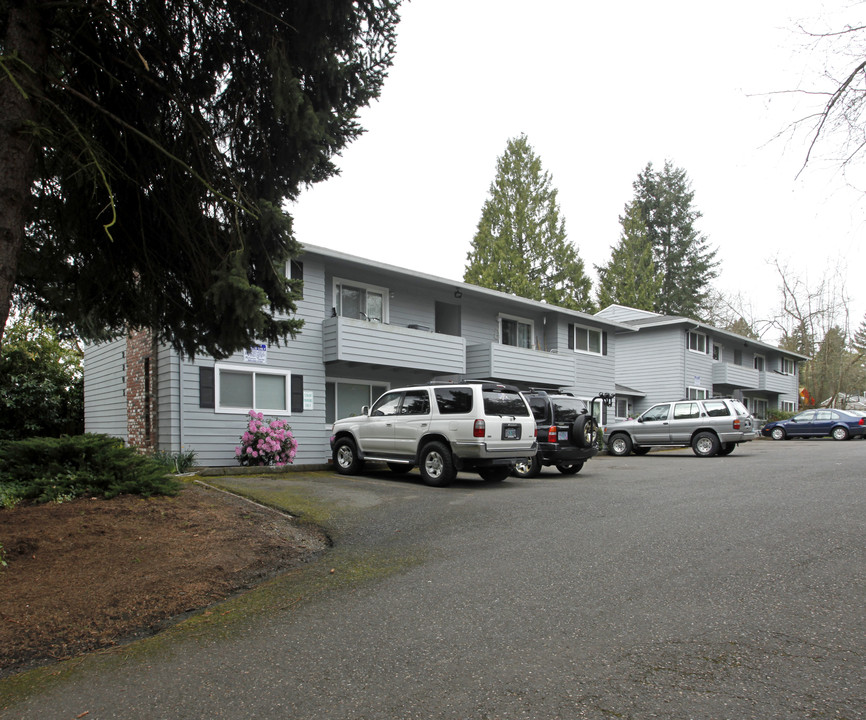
x: 566, y: 433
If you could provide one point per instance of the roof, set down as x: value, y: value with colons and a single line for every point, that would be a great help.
x: 640, y: 319
x: 464, y: 288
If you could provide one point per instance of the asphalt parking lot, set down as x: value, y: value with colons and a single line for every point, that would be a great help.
x: 659, y: 586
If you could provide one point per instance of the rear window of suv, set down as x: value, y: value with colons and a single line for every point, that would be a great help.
x: 716, y: 408
x: 504, y: 403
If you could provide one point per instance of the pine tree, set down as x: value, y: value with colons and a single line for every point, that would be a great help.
x: 521, y: 246
x: 630, y: 277
x: 681, y: 254
x: 149, y: 148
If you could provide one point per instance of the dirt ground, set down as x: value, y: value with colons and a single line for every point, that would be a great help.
x: 90, y: 573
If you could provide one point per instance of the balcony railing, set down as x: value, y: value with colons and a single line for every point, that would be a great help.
x: 374, y: 343
x: 735, y: 376
x: 520, y: 364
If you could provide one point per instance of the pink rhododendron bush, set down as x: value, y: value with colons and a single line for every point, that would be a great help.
x: 266, y: 442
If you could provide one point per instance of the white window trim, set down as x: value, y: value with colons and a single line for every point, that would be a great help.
x: 793, y: 364
x: 383, y: 291
x: 698, y: 334
x: 788, y: 406
x: 697, y: 390
x: 721, y: 349
x: 588, y: 329
x: 763, y: 361
x: 516, y: 318
x: 252, y: 370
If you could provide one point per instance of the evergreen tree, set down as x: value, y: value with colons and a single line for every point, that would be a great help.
x: 630, y: 277
x: 741, y: 327
x: 680, y: 252
x: 148, y: 148
x: 521, y: 246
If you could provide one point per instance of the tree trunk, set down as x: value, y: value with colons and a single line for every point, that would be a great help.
x: 24, y: 53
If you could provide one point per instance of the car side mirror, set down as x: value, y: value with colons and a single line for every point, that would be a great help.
x: 640, y: 419
x: 365, y: 410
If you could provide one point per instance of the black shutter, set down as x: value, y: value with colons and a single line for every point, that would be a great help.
x: 570, y: 336
x: 604, y: 343
x: 206, y: 387
x: 297, y: 393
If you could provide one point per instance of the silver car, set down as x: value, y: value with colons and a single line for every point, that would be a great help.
x: 709, y: 427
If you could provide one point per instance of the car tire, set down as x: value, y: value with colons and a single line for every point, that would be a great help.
x: 778, y: 433
x: 400, y: 468
x: 705, y: 444
x: 528, y: 468
x: 570, y: 468
x: 619, y: 444
x: 436, y: 466
x: 840, y: 433
x: 643, y: 450
x: 727, y: 448
x: 345, y: 457
x: 582, y: 431
x: 497, y: 473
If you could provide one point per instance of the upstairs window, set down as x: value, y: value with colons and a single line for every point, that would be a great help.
x: 698, y: 342
x: 587, y: 340
x: 759, y: 362
x: 717, y: 352
x: 362, y: 302
x: 789, y: 367
x: 516, y: 332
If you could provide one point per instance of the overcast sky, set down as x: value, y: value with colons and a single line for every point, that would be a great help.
x: 600, y: 90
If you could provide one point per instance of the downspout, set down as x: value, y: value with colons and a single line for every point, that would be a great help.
x: 180, y: 401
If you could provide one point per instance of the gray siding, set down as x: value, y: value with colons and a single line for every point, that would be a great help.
x: 105, y: 384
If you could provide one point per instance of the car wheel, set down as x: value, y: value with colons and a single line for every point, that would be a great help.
x: 582, y: 431
x: 497, y: 473
x: 620, y: 444
x: 570, y: 468
x: 840, y: 433
x: 346, y: 457
x: 777, y: 433
x: 705, y: 444
x: 640, y: 450
x: 397, y: 467
x: 727, y: 448
x: 527, y: 468
x: 436, y: 465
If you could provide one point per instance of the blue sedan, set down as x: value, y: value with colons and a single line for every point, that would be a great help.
x: 839, y: 424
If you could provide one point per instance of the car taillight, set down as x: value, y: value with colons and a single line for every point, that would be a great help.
x: 736, y: 424
x: 551, y: 434
x: 862, y: 421
x: 478, y: 429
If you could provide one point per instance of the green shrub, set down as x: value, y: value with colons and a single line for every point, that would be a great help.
x: 178, y: 462
x: 774, y: 414
x: 59, y: 469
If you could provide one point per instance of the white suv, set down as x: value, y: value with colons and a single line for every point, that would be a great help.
x: 442, y: 428
x: 710, y: 427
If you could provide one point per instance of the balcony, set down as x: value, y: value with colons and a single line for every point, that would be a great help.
x: 374, y: 343
x: 735, y: 376
x: 777, y: 383
x: 519, y: 364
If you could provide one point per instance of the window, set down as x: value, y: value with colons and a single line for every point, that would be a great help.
x: 515, y: 332
x: 362, y: 302
x: 789, y: 367
x: 657, y: 412
x: 622, y: 407
x: 759, y: 362
x: 716, y: 408
x: 345, y: 399
x: 415, y: 402
x: 697, y: 342
x: 240, y: 389
x: 697, y: 393
x: 787, y: 406
x: 587, y: 340
x: 388, y: 404
x: 686, y: 411
x: 717, y: 352
x: 454, y: 401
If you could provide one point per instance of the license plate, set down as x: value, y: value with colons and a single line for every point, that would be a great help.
x: 563, y: 436
x: 511, y: 432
